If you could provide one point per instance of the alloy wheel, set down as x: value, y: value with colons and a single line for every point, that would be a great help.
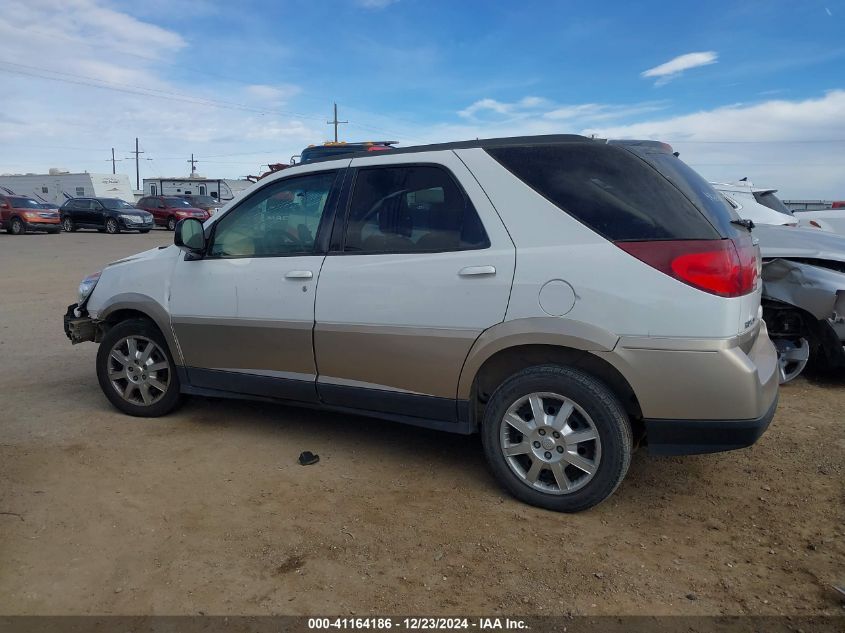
x: 550, y: 443
x: 67, y: 225
x: 111, y: 226
x: 138, y: 370
x: 171, y: 224
x: 17, y: 227
x: 793, y: 356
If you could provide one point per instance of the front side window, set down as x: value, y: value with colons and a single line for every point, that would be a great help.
x: 770, y: 200
x: 411, y: 209
x: 280, y: 219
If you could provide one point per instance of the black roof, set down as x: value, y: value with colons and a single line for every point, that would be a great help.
x: 484, y: 143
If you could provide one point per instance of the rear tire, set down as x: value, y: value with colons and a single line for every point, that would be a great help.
x: 139, y: 380
x: 578, y: 453
x: 16, y: 227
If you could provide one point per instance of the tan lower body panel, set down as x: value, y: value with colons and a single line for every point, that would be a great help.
x: 244, y: 344
x: 424, y: 361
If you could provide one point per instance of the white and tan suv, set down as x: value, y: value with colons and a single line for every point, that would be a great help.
x: 565, y: 297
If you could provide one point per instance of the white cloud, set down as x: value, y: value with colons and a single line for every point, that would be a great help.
x: 275, y: 94
x: 104, y: 75
x: 675, y: 67
x: 491, y: 105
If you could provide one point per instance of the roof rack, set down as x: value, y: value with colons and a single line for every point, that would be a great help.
x: 542, y: 139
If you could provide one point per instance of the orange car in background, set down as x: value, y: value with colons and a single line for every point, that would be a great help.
x: 19, y: 214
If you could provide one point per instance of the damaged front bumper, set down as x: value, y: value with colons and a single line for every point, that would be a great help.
x: 79, y: 327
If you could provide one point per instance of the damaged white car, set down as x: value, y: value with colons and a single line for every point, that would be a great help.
x: 803, y: 296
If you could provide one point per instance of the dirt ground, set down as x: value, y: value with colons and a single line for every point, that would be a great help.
x: 207, y: 510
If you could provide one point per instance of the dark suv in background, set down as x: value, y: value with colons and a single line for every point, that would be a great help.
x: 109, y: 215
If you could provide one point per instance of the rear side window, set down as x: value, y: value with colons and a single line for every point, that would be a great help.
x: 609, y: 190
x: 411, y: 209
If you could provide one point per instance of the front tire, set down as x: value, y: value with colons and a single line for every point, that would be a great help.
x: 557, y: 438
x: 136, y: 371
x: 171, y: 223
x: 16, y: 227
x: 112, y: 227
x: 67, y: 225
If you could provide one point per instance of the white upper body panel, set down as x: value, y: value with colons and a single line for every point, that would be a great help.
x: 613, y: 290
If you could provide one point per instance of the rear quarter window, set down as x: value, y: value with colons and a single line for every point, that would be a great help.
x: 610, y: 190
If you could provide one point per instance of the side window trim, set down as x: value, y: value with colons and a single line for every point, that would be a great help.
x: 339, y: 233
x: 328, y: 209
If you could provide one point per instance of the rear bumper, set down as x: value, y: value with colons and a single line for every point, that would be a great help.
x: 693, y: 437
x: 712, y: 379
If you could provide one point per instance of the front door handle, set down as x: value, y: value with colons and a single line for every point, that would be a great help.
x: 475, y: 271
x: 299, y: 274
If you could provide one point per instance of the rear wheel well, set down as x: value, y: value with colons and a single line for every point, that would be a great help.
x: 509, y: 361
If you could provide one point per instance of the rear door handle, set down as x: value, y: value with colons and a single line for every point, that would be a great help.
x: 299, y: 274
x: 475, y: 271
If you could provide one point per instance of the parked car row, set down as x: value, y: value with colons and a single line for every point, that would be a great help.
x: 22, y: 214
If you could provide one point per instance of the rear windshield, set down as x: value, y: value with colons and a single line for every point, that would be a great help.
x: 702, y: 194
x: 769, y: 199
x: 609, y: 190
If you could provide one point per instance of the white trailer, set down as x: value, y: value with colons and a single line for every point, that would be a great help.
x: 224, y: 189
x: 57, y: 186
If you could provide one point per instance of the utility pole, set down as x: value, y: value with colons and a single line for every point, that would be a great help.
x: 193, y: 165
x: 114, y: 161
x: 335, y: 122
x: 137, y: 153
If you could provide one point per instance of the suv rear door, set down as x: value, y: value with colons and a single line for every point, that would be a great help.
x: 244, y: 314
x: 420, y: 267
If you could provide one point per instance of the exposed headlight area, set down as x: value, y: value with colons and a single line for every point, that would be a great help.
x: 86, y: 287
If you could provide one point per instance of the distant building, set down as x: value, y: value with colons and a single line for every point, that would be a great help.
x: 223, y: 189
x: 59, y: 185
x: 808, y: 205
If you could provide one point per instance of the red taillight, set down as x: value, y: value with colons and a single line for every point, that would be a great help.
x: 727, y: 268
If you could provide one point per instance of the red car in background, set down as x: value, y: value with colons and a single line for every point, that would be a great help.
x: 19, y: 214
x: 168, y: 210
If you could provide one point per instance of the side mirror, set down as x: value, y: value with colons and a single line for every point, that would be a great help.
x: 189, y: 236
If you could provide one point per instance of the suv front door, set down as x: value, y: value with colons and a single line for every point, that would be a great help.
x: 244, y: 314
x: 423, y: 267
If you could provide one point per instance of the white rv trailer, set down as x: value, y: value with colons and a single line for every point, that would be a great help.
x: 224, y: 189
x: 57, y: 186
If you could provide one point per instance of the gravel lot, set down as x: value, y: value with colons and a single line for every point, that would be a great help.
x: 207, y: 510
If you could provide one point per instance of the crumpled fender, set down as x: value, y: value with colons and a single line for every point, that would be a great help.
x: 819, y: 291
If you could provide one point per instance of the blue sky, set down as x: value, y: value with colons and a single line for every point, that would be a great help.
x: 741, y: 89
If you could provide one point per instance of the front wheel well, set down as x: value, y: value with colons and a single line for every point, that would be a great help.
x: 119, y: 316
x: 503, y: 364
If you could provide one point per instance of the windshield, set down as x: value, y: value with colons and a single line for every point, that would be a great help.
x: 25, y: 203
x: 115, y: 203
x: 769, y: 199
x: 176, y: 202
x: 47, y: 205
